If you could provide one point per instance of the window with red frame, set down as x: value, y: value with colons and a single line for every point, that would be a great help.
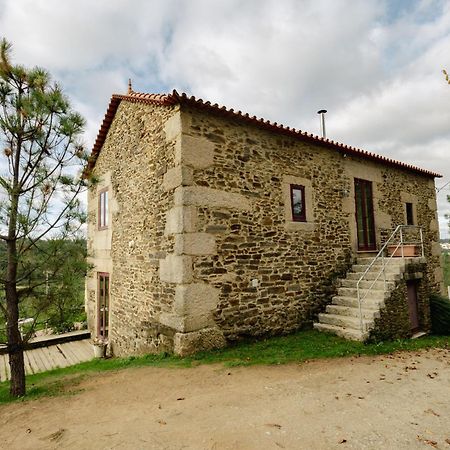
x: 103, y: 305
x: 298, y: 206
x: 103, y: 209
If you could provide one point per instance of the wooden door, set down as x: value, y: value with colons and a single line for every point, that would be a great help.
x: 412, y: 305
x: 365, y: 223
x: 103, y: 305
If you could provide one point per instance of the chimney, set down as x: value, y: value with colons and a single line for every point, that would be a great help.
x: 322, y: 122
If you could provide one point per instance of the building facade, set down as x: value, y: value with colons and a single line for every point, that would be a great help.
x: 206, y: 225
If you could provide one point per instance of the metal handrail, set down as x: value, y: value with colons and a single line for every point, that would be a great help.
x: 399, y: 229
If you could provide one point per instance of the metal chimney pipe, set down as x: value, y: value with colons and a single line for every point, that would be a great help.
x: 322, y: 122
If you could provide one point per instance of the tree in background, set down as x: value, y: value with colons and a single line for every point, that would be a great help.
x: 39, y: 188
x: 447, y: 78
x: 62, y: 297
x: 59, y: 302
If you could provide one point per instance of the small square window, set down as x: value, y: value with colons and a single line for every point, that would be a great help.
x: 409, y: 214
x: 298, y: 206
x: 103, y: 209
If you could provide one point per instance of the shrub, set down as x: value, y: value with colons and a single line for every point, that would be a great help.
x: 440, y: 315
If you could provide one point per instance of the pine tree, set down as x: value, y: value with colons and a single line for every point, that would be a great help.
x: 39, y: 188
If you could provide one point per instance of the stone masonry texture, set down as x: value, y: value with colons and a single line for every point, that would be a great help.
x: 136, y: 154
x: 203, y: 201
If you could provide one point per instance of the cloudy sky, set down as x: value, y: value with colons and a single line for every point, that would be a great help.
x: 375, y: 65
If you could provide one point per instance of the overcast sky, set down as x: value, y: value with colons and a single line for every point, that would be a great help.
x: 375, y: 65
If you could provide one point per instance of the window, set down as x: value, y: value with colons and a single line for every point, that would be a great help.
x: 409, y: 214
x: 298, y: 203
x: 103, y: 209
x: 103, y: 305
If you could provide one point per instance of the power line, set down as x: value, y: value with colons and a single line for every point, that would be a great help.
x: 442, y: 187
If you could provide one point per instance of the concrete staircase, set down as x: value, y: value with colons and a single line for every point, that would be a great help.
x: 342, y: 315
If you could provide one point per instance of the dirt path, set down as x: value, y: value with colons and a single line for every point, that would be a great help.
x: 391, y: 402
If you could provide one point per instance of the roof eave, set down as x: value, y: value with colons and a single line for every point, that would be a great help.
x: 183, y: 99
x: 302, y: 135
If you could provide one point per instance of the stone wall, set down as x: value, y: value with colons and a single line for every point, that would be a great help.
x: 274, y: 275
x: 394, y: 321
x: 398, y: 187
x: 203, y: 247
x: 133, y: 161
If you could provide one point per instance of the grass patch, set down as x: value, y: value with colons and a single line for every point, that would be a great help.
x: 307, y: 345
x: 295, y: 348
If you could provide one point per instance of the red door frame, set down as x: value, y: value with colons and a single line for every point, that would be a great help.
x: 103, y: 301
x: 368, y: 221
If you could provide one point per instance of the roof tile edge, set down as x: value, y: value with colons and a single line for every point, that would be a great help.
x: 176, y: 98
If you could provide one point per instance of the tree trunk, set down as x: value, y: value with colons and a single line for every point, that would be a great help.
x: 61, y: 314
x: 16, y: 364
x: 15, y: 344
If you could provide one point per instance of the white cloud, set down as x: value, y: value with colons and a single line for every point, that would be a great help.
x: 83, y: 35
x: 281, y: 62
x: 375, y: 65
x: 409, y: 110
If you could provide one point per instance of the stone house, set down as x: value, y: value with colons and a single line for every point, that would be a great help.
x: 207, y: 225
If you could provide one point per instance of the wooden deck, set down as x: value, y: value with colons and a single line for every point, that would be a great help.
x: 51, y: 357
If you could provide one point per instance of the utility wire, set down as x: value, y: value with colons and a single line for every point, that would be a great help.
x: 442, y: 187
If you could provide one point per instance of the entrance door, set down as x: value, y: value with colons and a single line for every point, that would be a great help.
x: 365, y: 223
x: 103, y: 305
x: 412, y: 305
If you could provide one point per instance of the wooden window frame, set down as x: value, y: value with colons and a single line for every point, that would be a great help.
x: 103, y: 219
x: 103, y: 332
x: 409, y: 209
x: 369, y: 237
x: 297, y: 217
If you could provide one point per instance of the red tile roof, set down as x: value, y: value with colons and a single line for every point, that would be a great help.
x: 183, y: 99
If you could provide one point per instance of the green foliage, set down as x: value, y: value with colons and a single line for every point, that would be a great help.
x: 446, y: 264
x: 440, y: 315
x: 295, y: 348
x: 40, y: 181
x: 61, y: 299
x: 42, y: 155
x: 57, y: 301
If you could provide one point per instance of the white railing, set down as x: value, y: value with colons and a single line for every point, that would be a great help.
x: 395, y: 246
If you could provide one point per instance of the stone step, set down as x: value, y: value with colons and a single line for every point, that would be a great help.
x: 394, y: 261
x: 354, y: 335
x: 361, y: 268
x: 364, y: 293
x: 390, y: 276
x: 353, y: 312
x: 368, y: 284
x: 379, y: 261
x: 367, y: 303
x: 342, y: 316
x: 345, y: 321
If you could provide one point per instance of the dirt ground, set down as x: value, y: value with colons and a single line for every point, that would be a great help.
x: 389, y: 402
